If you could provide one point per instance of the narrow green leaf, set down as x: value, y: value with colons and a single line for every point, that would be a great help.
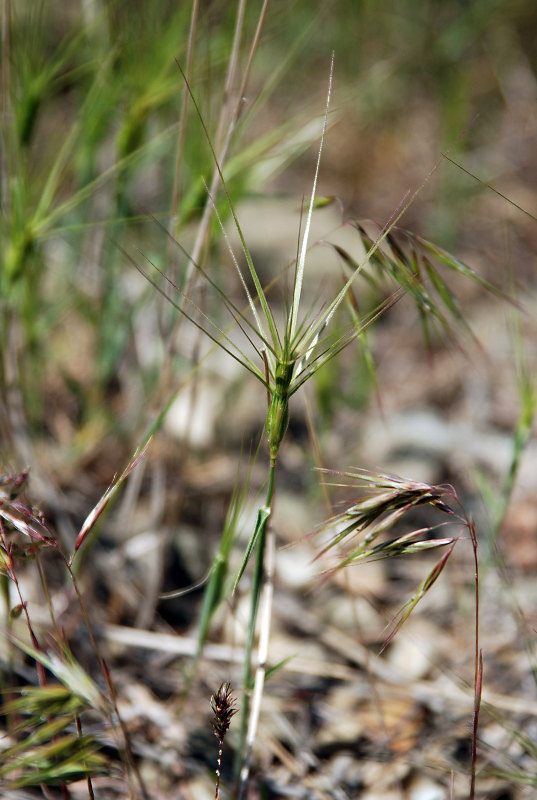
x: 299, y: 275
x: 422, y: 590
x: 277, y: 667
x: 262, y: 516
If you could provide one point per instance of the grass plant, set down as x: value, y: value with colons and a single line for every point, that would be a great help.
x: 290, y: 359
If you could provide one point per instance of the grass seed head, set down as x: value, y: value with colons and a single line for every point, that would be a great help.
x: 223, y: 707
x: 278, y: 413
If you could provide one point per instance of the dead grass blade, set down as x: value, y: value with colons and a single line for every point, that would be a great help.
x: 98, y: 509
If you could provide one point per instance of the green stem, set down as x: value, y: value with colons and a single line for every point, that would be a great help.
x: 258, y: 582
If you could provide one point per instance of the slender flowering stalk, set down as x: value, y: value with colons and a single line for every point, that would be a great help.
x: 222, y: 704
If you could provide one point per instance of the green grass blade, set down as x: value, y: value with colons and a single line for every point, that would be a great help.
x: 422, y: 590
x: 277, y: 667
x: 269, y: 319
x: 50, y: 188
x: 262, y: 516
x: 43, y: 224
x: 214, y: 591
x: 299, y: 275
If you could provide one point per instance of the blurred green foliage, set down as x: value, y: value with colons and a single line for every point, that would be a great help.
x: 91, y: 101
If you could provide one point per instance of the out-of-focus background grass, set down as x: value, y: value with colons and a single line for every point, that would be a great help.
x: 91, y: 99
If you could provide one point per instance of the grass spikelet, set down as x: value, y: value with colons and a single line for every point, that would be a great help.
x: 50, y: 747
x: 223, y: 707
x: 386, y: 503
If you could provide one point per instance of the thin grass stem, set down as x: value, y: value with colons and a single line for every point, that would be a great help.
x: 183, y: 114
x: 262, y: 596
x: 478, y: 666
x: 89, y: 783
